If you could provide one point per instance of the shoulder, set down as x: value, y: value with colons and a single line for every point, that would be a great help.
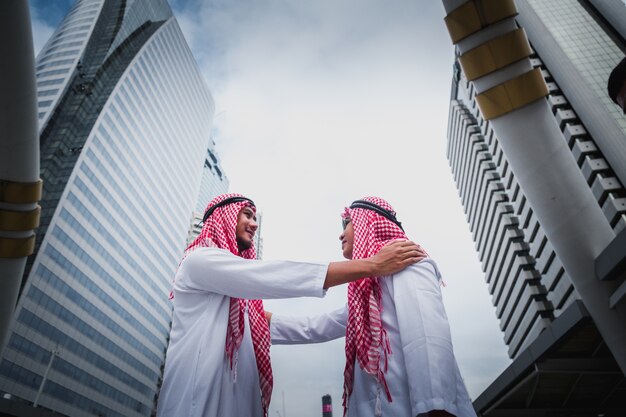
x: 202, y: 255
x: 425, y: 266
x: 423, y: 275
x: 208, y: 251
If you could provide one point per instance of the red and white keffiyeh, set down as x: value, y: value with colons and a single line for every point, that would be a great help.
x: 219, y: 230
x: 366, y: 339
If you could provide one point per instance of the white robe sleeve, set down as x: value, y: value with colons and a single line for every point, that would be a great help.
x: 219, y: 271
x: 433, y: 377
x: 314, y: 329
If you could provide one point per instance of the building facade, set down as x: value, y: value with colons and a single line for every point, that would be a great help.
x: 214, y: 182
x: 125, y: 120
x: 258, y: 237
x: 576, y: 44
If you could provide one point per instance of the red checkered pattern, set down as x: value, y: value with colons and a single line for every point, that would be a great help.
x: 366, y: 339
x: 220, y: 231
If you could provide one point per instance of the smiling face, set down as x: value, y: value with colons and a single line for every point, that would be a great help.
x: 246, y: 228
x: 347, y: 240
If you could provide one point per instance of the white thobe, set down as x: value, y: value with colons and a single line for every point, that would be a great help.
x: 423, y: 374
x: 198, y: 381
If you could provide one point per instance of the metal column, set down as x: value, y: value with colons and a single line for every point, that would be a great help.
x: 20, y: 188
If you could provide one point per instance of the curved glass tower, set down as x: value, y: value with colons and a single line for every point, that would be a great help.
x: 125, y: 120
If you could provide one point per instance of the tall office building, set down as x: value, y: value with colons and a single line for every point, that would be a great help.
x: 125, y: 120
x: 560, y: 362
x: 258, y: 237
x: 214, y: 182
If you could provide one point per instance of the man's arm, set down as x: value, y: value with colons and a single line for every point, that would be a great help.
x: 287, y: 330
x: 211, y: 270
x: 392, y: 258
x: 329, y: 326
x: 219, y: 271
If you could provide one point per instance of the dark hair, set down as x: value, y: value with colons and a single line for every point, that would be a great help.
x: 617, y: 79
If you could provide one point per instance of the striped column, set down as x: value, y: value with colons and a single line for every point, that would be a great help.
x: 20, y: 187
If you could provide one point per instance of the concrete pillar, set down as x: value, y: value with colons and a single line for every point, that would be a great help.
x: 19, y: 153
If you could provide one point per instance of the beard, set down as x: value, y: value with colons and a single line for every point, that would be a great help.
x: 243, y: 244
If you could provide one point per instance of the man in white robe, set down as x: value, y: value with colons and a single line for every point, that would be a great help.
x: 217, y: 362
x: 399, y: 356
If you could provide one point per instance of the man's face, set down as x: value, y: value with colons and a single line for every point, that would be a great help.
x: 246, y: 228
x: 347, y: 240
x: 621, y: 97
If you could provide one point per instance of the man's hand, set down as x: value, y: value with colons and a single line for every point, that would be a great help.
x: 268, y: 317
x: 395, y: 256
x: 392, y: 258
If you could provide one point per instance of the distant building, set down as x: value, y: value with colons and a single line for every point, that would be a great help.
x: 327, y: 406
x: 196, y: 227
x: 214, y: 182
x: 258, y: 237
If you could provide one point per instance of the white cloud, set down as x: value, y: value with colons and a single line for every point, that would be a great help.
x: 322, y: 103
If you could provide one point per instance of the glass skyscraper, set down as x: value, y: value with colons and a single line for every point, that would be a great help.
x: 214, y: 182
x: 125, y: 120
x: 561, y: 364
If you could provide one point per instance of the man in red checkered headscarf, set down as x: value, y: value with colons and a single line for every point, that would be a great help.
x: 218, y: 362
x: 399, y: 357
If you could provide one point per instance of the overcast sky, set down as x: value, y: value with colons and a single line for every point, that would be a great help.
x: 319, y: 103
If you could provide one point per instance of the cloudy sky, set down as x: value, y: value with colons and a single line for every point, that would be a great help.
x: 320, y: 103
